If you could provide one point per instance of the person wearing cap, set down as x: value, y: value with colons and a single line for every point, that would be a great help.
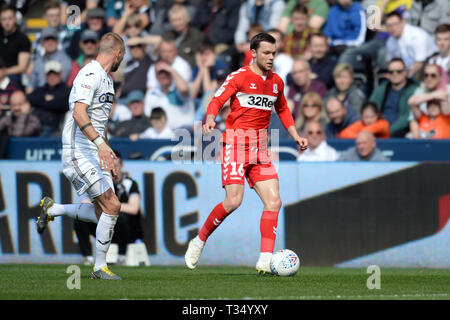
x: 14, y: 45
x: 173, y: 95
x: 53, y: 15
x: 89, y: 43
x: 49, y: 42
x: 95, y: 21
x: 205, y: 70
x: 50, y: 101
x: 138, y: 122
x: 135, y: 73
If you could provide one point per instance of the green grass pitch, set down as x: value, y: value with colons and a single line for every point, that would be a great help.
x: 49, y: 282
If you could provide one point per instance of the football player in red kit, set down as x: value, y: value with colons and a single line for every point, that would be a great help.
x: 254, y: 90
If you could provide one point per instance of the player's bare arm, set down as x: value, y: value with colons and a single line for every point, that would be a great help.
x: 301, y: 142
x: 210, y: 124
x: 83, y: 121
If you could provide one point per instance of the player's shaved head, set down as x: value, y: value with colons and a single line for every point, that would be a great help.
x: 110, y: 42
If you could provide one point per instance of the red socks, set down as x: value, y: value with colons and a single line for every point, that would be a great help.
x: 215, y: 218
x: 268, y: 227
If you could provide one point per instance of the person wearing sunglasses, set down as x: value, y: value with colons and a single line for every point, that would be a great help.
x: 435, y: 87
x: 318, y: 148
x: 392, y: 96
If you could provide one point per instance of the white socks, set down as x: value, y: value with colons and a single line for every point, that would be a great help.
x: 103, y: 236
x: 80, y: 211
x: 198, y: 242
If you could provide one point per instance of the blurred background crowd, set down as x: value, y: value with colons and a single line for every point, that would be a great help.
x: 378, y: 66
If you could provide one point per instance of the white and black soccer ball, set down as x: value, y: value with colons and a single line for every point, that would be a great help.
x: 284, y: 263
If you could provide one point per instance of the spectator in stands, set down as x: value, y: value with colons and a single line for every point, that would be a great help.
x: 140, y: 7
x: 159, y: 128
x: 161, y: 20
x: 442, y: 57
x: 310, y: 111
x: 265, y: 12
x: 371, y: 120
x: 89, y: 44
x: 52, y: 14
x: 7, y: 87
x: 340, y: 118
x: 205, y: 70
x: 296, y: 42
x: 300, y: 84
x: 318, y: 12
x: 282, y: 64
x: 345, y: 26
x: 14, y: 45
x: 434, y: 87
x: 186, y: 37
x: 128, y: 228
x: 169, y: 54
x: 218, y: 20
x: 20, y: 123
x: 365, y: 150
x: 410, y: 43
x: 392, y: 96
x: 50, y: 102
x: 95, y: 22
x: 345, y: 90
x: 435, y: 124
x: 136, y: 70
x: 138, y: 122
x: 428, y: 14
x: 172, y: 94
x: 318, y: 148
x: 322, y: 61
x: 49, y: 42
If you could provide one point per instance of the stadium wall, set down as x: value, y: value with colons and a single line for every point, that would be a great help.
x: 334, y: 214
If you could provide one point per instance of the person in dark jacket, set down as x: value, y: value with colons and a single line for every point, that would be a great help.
x: 50, y: 102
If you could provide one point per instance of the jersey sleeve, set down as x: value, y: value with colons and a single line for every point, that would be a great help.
x: 228, y: 88
x: 84, y: 86
x: 134, y: 188
x: 282, y: 108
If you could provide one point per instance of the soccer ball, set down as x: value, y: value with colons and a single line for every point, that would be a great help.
x: 284, y: 263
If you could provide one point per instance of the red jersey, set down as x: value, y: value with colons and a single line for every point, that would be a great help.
x: 252, y: 99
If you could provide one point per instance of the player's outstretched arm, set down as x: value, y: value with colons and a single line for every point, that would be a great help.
x: 83, y: 121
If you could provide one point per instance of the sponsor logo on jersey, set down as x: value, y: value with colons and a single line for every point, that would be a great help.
x: 106, y: 98
x: 258, y: 101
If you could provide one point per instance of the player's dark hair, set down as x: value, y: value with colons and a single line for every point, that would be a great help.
x: 442, y: 28
x: 261, y: 37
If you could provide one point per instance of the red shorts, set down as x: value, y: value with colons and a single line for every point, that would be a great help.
x: 240, y: 162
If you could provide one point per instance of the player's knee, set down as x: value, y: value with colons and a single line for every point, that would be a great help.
x: 232, y: 203
x: 274, y: 204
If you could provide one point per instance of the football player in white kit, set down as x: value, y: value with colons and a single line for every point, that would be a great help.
x: 87, y: 157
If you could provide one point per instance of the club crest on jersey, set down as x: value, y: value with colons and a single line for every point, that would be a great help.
x: 106, y: 98
x: 252, y: 86
x: 275, y: 88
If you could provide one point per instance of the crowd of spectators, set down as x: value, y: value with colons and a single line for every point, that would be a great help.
x: 347, y: 67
